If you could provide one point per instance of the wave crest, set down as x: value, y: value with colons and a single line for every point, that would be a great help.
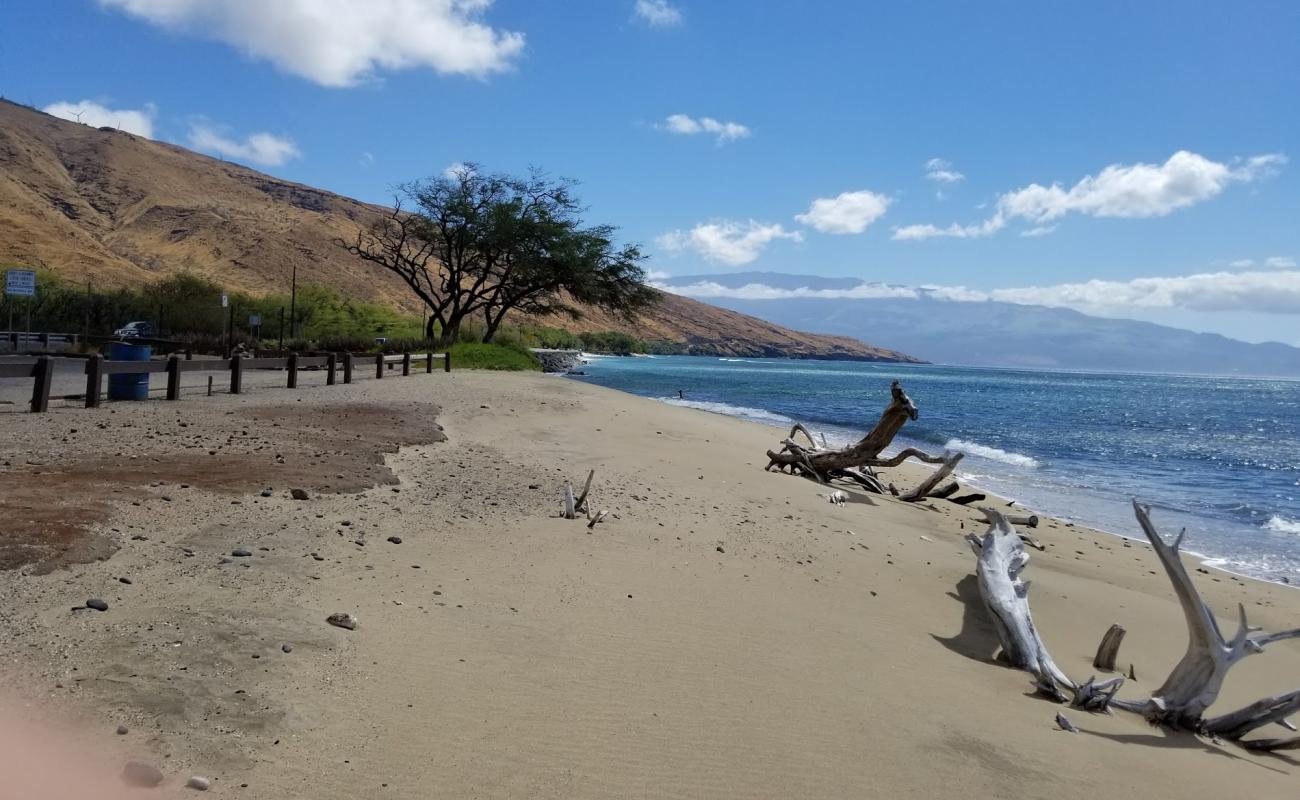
x: 1281, y: 524
x: 744, y: 412
x: 992, y: 453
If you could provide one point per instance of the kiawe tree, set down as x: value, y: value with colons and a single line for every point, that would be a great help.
x: 474, y: 245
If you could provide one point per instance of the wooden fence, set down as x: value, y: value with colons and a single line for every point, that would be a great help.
x: 42, y: 368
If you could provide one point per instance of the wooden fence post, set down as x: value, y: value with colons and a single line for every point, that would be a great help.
x: 293, y: 370
x: 428, y: 362
x: 44, y: 375
x: 331, y: 363
x: 379, y: 365
x: 406, y: 364
x: 236, y: 374
x: 347, y: 368
x: 174, y: 378
x: 94, y: 374
x: 446, y: 361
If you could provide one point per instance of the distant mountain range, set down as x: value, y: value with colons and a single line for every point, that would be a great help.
x: 99, y: 205
x: 984, y: 333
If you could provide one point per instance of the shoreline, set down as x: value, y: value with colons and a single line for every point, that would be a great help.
x: 725, y: 632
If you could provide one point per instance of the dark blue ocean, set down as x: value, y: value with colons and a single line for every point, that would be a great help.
x: 1219, y: 456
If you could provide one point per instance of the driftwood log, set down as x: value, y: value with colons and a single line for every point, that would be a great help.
x: 1108, y: 650
x: 1194, y: 684
x: 1001, y: 557
x: 855, y: 463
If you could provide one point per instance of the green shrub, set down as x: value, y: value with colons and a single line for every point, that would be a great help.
x: 476, y: 355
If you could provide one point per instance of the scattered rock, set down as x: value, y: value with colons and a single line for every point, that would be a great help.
x: 240, y: 552
x: 299, y: 494
x: 122, y: 730
x: 266, y: 492
x: 720, y: 550
x: 97, y: 604
x: 127, y: 581
x: 342, y: 620
x: 198, y: 783
x: 395, y: 539
x: 286, y: 647
x: 145, y: 776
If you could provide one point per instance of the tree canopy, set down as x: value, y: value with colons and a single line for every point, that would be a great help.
x: 476, y: 245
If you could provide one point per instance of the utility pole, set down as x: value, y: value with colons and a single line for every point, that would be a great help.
x: 293, y: 304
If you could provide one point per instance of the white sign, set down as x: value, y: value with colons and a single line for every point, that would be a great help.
x: 254, y: 320
x: 224, y: 300
x: 20, y: 282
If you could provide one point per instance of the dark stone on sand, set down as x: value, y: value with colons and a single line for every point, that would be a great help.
x: 720, y: 550
x: 298, y: 494
x: 121, y: 730
x: 97, y: 604
x: 127, y: 581
x: 395, y: 539
x: 266, y: 492
x: 286, y: 647
x: 240, y: 552
x: 139, y: 774
x: 342, y: 620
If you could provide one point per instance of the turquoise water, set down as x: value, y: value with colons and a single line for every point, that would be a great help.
x: 1215, y: 455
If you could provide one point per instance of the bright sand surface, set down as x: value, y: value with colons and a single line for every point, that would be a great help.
x: 725, y: 633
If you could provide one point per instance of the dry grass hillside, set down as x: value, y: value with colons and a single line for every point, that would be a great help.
x: 95, y: 204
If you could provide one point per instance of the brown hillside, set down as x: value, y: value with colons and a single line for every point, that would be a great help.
x: 119, y: 210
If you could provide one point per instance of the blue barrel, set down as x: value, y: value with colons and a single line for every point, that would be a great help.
x: 128, y: 385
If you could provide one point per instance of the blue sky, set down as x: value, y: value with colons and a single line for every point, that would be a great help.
x: 1020, y: 149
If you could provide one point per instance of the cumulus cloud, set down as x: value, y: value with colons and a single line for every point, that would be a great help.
x: 1275, y: 292
x: 849, y: 212
x: 658, y: 13
x: 1280, y: 262
x: 132, y: 120
x: 941, y: 171
x: 684, y: 125
x: 263, y: 149
x: 1131, y: 191
x: 343, y: 42
x: 727, y: 242
x: 455, y: 169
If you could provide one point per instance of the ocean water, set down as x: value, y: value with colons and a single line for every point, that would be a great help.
x: 1218, y: 456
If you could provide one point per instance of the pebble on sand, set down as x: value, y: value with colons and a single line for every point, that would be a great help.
x: 395, y: 539
x: 122, y: 730
x: 240, y: 552
x: 286, y: 647
x: 145, y: 776
x: 198, y: 783
x: 299, y: 494
x: 342, y: 620
x: 97, y: 604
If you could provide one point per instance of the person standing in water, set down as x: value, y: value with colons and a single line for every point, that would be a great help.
x: 681, y: 395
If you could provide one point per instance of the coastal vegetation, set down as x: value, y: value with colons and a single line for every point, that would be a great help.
x: 476, y: 245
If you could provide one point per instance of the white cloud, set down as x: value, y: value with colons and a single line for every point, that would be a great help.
x: 454, y: 170
x: 137, y: 121
x: 343, y: 42
x: 367, y: 159
x: 941, y: 171
x: 684, y: 125
x: 849, y: 212
x: 761, y: 291
x: 1242, y: 263
x: 727, y: 242
x: 1280, y: 262
x: 1275, y: 292
x: 658, y: 13
x: 657, y: 276
x: 263, y: 149
x: 1131, y: 191
x: 1041, y: 230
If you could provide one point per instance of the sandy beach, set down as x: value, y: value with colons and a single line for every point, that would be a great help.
x: 724, y: 633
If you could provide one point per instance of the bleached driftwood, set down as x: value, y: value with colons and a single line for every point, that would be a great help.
x: 1018, y: 520
x: 1108, y: 650
x: 1001, y: 559
x: 1196, y: 679
x: 595, y: 519
x: 823, y: 463
x: 575, y: 506
x: 836, y: 498
x: 570, y: 507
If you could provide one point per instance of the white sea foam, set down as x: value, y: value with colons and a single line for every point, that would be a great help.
x: 1281, y: 524
x: 992, y: 453
x: 744, y: 412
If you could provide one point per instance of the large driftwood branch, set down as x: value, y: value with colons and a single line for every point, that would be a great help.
x: 1001, y: 559
x: 1196, y: 679
x: 823, y: 463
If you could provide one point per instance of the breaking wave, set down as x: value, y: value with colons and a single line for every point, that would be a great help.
x: 992, y: 453
x: 1281, y: 524
x: 743, y: 412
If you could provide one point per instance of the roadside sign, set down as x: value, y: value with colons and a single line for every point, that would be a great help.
x: 224, y: 300
x: 254, y: 320
x: 21, y: 282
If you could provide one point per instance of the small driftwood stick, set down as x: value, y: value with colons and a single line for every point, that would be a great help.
x: 570, y: 509
x: 1029, y: 521
x: 581, y: 503
x: 922, y: 491
x: 597, y: 519
x: 967, y: 499
x: 1108, y: 650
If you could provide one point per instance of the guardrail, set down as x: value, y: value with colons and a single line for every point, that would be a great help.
x: 41, y: 370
